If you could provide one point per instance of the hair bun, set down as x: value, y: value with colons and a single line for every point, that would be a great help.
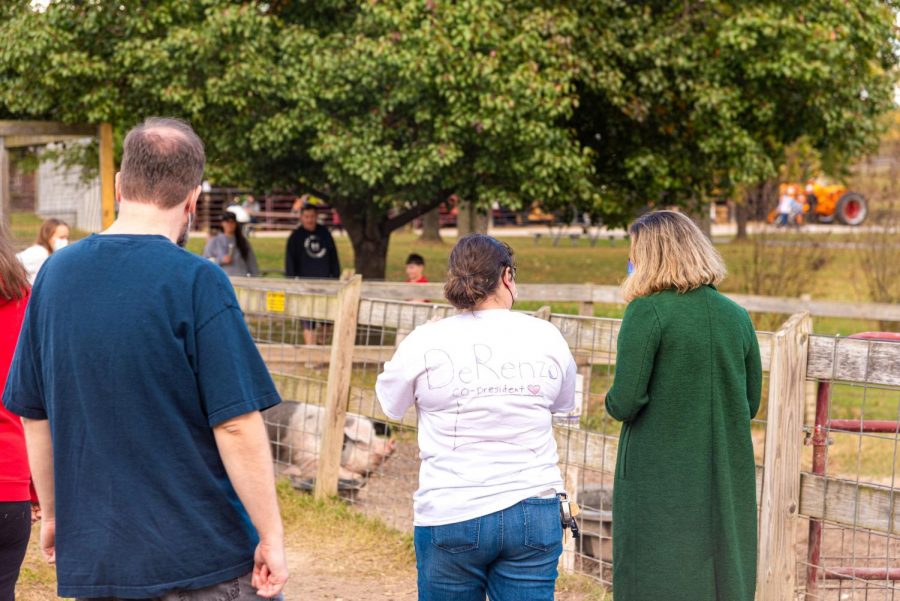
x: 476, y: 264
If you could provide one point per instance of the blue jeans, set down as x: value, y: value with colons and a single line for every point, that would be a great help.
x: 511, y: 555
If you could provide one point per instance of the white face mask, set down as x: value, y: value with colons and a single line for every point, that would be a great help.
x: 60, y: 243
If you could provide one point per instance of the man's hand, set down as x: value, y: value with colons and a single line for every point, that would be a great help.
x: 244, y: 448
x: 269, y: 569
x: 48, y: 540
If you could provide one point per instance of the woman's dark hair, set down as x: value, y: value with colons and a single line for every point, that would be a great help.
x: 242, y: 245
x: 13, y: 280
x: 476, y: 264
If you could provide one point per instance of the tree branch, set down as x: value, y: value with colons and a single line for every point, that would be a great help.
x: 398, y: 221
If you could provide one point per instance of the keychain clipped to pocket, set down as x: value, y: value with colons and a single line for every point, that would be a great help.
x: 568, y: 511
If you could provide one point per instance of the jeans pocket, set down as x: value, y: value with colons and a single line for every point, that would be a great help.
x: 543, y: 527
x: 457, y: 538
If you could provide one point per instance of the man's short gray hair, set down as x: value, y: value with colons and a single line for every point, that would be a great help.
x: 162, y: 162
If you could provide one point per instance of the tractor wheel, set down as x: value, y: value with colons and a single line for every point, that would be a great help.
x: 852, y: 209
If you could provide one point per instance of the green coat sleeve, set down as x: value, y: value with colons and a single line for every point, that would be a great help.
x: 753, y: 366
x: 635, y: 354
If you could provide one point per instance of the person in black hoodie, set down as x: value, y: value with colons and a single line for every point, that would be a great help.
x: 311, y: 253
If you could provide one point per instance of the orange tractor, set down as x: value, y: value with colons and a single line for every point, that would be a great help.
x: 819, y: 203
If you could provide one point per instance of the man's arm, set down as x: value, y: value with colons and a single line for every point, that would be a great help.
x: 244, y: 448
x: 290, y: 268
x: 40, y: 459
x: 334, y: 262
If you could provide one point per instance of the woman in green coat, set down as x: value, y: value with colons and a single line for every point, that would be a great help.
x: 688, y: 381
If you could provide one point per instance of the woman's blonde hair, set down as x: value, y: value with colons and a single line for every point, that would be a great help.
x: 668, y: 251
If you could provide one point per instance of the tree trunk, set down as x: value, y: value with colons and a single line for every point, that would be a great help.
x: 366, y: 225
x: 742, y: 215
x: 369, y: 228
x: 756, y: 204
x: 701, y: 217
x: 431, y: 226
x: 370, y: 256
x: 470, y: 220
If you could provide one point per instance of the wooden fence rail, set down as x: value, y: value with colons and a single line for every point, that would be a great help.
x: 586, y: 294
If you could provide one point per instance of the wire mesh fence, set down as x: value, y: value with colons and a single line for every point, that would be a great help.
x: 851, y: 504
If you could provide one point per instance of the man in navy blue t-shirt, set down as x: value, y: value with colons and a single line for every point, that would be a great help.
x: 141, y: 391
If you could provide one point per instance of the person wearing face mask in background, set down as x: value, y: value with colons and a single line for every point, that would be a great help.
x: 157, y: 482
x: 53, y: 236
x: 484, y: 384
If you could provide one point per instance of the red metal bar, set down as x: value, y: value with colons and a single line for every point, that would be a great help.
x: 882, y: 336
x: 864, y: 425
x: 862, y: 573
x: 819, y: 443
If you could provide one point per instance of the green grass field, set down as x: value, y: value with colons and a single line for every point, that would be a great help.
x: 838, y: 278
x: 835, y: 276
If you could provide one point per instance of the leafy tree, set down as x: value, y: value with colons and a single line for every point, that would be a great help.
x: 387, y: 107
x: 683, y: 100
x: 383, y: 108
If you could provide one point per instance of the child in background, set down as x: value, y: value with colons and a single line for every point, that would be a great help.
x: 415, y: 269
x: 415, y: 273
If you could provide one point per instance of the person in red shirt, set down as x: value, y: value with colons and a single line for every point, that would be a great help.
x: 15, y: 479
x: 415, y: 273
x: 415, y: 269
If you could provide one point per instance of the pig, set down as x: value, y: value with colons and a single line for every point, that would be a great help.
x: 295, y: 431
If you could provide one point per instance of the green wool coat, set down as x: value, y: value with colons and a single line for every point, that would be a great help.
x: 688, y: 379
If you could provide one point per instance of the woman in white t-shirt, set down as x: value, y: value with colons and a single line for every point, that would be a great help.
x: 484, y: 384
x: 53, y: 235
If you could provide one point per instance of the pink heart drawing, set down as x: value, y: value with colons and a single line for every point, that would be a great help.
x: 534, y: 388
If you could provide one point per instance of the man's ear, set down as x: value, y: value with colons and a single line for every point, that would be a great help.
x: 191, y: 206
x: 118, y: 188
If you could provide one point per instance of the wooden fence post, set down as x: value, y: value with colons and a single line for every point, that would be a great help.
x: 107, y: 175
x: 338, y: 390
x: 780, y: 501
x: 542, y: 312
x: 586, y: 308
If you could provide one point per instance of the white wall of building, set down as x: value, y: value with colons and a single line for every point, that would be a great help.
x: 62, y: 193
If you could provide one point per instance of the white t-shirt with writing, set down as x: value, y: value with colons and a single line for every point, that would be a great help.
x: 484, y: 385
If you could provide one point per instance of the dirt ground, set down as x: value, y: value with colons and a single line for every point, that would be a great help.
x: 344, y: 579
x: 318, y: 573
x: 334, y: 554
x: 323, y: 572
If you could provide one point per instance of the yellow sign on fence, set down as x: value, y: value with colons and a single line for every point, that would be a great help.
x: 275, y: 302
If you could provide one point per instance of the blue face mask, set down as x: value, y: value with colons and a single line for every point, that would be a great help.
x: 630, y: 267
